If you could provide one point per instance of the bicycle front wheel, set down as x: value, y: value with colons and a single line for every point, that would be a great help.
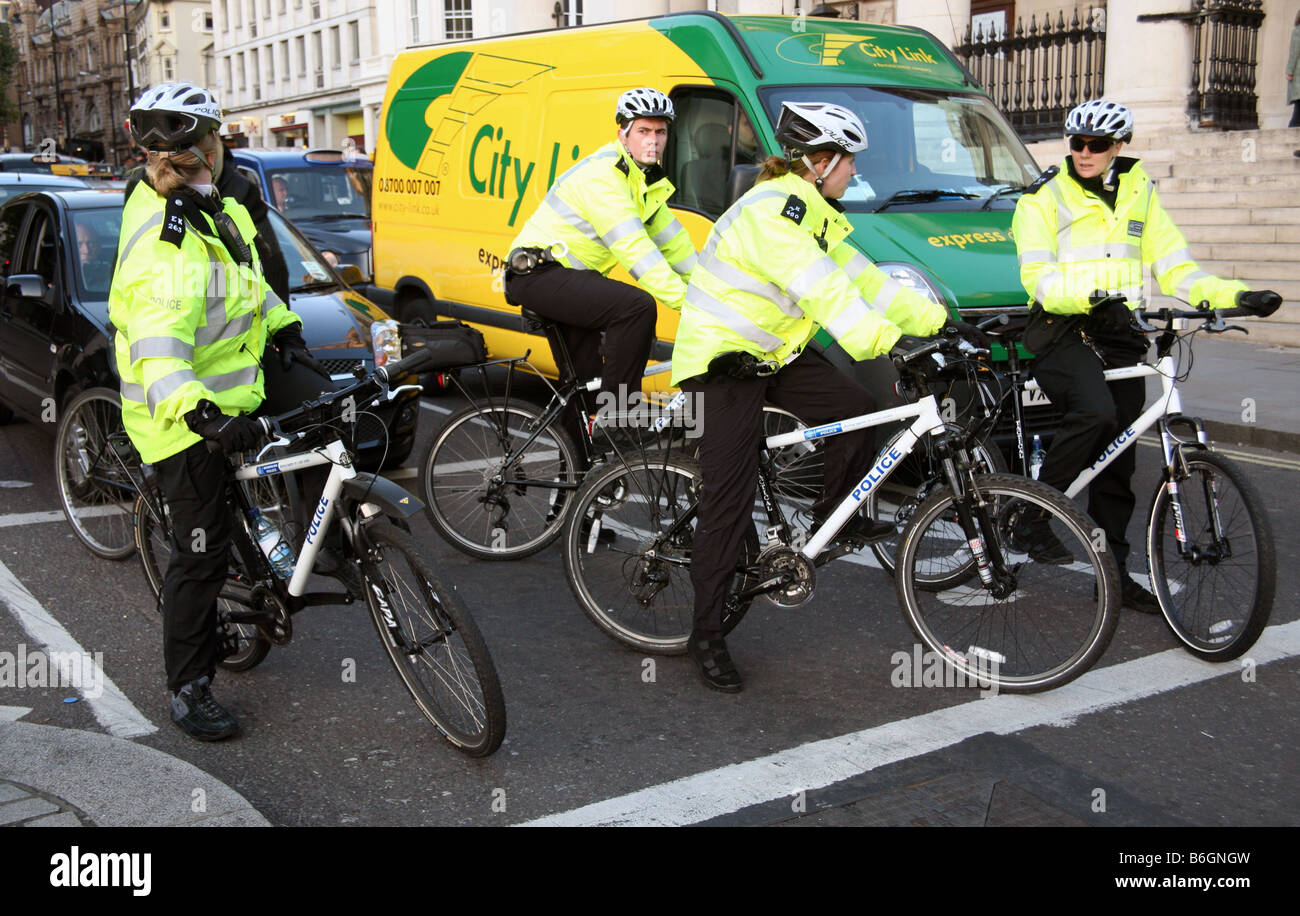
x: 627, y: 551
x: 94, y: 461
x: 1044, y: 626
x: 433, y: 643
x: 1215, y: 578
x: 488, y: 495
x: 245, y: 648
x: 915, y: 478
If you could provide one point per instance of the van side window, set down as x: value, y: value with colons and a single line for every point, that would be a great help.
x: 709, y: 137
x: 11, y: 220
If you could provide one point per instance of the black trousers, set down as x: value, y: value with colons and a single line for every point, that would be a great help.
x: 731, y: 413
x: 1295, y: 114
x: 1095, y: 412
x: 586, y: 304
x: 194, y: 484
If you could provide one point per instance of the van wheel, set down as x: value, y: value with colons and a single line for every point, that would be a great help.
x: 419, y: 311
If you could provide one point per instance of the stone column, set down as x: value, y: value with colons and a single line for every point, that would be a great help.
x: 1157, y: 92
x: 946, y: 20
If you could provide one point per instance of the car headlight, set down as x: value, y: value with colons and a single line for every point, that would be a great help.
x: 913, y: 279
x: 385, y: 341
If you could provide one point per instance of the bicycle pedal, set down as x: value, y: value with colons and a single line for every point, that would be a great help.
x: 837, y: 550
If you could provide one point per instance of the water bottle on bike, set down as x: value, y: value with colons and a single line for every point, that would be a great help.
x: 268, y: 537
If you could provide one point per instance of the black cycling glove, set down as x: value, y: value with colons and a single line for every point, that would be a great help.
x: 1112, y: 312
x: 1263, y: 302
x: 233, y: 434
x: 293, y: 349
x: 969, y: 333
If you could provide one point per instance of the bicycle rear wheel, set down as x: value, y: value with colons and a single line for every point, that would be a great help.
x: 1051, y: 624
x: 432, y: 642
x: 486, y: 494
x: 247, y: 648
x: 94, y: 460
x: 916, y: 477
x: 631, y: 578
x: 1217, y: 598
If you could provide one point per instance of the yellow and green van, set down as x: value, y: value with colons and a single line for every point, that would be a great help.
x: 474, y: 133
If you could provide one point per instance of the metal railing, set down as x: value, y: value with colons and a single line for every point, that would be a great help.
x: 1038, y: 73
x: 1226, y: 34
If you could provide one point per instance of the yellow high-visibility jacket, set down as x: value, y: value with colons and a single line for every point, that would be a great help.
x: 1070, y: 244
x: 191, y: 322
x: 776, y: 266
x: 606, y: 214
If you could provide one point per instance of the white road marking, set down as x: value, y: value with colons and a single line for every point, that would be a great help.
x: 13, y: 713
x: 36, y: 518
x: 13, y: 484
x: 113, y: 710
x: 821, y: 763
x: 445, y: 411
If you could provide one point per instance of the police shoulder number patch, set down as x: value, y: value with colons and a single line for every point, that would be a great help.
x: 1135, y: 227
x: 795, y: 209
x: 173, y: 229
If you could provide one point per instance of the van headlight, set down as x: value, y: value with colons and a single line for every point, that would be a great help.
x: 913, y: 279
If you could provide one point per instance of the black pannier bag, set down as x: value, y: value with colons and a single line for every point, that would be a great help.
x: 453, y: 343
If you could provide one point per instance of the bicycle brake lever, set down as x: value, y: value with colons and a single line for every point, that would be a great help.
x: 277, y: 442
x: 1142, y: 323
x: 394, y: 392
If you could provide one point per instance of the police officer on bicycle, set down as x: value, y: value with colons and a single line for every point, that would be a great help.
x: 776, y: 267
x: 192, y: 314
x: 1083, y: 238
x: 609, y: 209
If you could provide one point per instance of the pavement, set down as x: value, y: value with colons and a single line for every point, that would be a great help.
x: 60, y: 777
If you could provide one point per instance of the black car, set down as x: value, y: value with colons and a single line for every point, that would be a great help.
x: 57, y: 252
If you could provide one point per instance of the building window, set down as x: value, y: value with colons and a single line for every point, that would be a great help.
x: 164, y: 19
x: 318, y: 58
x: 235, y: 11
x: 281, y: 8
x: 315, y: 9
x: 269, y: 53
x: 257, y: 74
x: 168, y: 69
x: 252, y: 18
x: 229, y: 84
x: 284, y: 60
x: 300, y: 45
x: 571, y: 11
x: 266, y: 9
x: 207, y: 22
x: 242, y: 72
x: 336, y: 48
x: 458, y: 19
x: 415, y: 22
x: 354, y: 41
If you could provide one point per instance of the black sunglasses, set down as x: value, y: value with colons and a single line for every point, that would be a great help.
x: 1097, y: 145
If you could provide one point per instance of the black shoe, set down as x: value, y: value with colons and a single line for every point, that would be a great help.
x: 1137, y: 598
x: 331, y: 562
x: 196, y: 713
x: 863, y: 530
x: 716, y: 668
x: 1033, y: 535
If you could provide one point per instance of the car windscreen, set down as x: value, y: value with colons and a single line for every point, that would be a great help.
x: 306, y: 267
x: 95, y: 250
x: 318, y: 192
x: 921, y: 140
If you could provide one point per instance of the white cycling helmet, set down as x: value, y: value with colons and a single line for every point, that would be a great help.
x: 809, y: 127
x: 174, y: 117
x: 643, y: 103
x: 1100, y: 118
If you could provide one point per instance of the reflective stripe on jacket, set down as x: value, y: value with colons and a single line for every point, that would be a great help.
x: 1070, y: 243
x: 191, y: 323
x: 764, y: 284
x: 602, y: 209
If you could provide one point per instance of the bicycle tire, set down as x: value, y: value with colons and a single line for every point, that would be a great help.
x: 1054, y: 625
x: 153, y: 546
x: 916, y: 477
x: 1209, y: 625
x: 93, y: 462
x: 477, y: 516
x: 453, y: 682
x: 603, y: 574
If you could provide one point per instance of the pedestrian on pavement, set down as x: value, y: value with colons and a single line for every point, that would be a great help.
x: 1293, y: 76
x: 609, y: 209
x: 778, y: 266
x: 1083, y: 238
x: 190, y: 367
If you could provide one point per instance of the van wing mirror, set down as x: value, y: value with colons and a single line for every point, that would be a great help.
x: 741, y: 180
x: 351, y: 274
x: 27, y: 286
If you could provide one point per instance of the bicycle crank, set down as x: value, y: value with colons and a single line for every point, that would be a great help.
x: 792, y: 576
x: 275, y: 624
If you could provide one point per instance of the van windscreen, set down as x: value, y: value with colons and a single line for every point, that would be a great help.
x: 921, y: 140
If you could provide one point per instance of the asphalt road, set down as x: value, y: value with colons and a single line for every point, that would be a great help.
x: 1163, y: 741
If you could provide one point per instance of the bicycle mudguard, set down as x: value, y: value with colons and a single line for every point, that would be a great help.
x: 392, y: 498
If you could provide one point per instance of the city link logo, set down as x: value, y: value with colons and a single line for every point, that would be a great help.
x: 79, y: 670
x: 838, y: 49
